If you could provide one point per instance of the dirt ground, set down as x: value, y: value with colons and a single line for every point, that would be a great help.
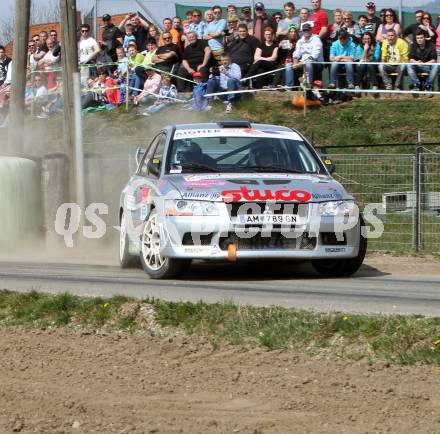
x: 67, y: 381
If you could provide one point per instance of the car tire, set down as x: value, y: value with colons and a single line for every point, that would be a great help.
x: 154, y: 264
x: 125, y: 259
x: 343, y: 267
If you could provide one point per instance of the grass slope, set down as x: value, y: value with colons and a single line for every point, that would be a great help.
x: 402, y: 339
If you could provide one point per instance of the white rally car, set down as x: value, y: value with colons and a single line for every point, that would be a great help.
x: 234, y: 190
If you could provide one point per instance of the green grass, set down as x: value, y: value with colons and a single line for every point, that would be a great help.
x: 361, y: 121
x: 401, y: 339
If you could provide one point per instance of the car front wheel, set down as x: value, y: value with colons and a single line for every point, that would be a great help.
x: 156, y: 265
x: 342, y: 267
x: 125, y: 259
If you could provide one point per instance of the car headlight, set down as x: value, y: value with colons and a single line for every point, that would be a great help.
x: 337, y: 208
x: 181, y: 207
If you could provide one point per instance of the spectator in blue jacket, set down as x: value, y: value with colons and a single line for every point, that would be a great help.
x: 342, y: 50
x: 367, y: 51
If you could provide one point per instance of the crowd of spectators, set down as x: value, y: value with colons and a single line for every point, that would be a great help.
x: 223, y: 51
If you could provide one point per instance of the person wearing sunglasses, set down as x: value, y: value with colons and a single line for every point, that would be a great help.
x: 427, y: 26
x: 389, y: 22
x: 352, y: 28
x: 197, y: 25
x: 88, y: 48
x: 167, y: 55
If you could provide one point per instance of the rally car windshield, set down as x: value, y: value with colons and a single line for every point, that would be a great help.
x: 241, y: 155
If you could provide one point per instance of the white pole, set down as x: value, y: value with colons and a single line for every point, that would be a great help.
x: 79, y: 148
x: 401, y: 13
x: 95, y: 19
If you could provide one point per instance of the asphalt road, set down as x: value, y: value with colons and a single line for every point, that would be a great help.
x: 260, y: 284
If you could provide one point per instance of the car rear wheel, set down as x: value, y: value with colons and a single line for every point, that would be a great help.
x: 125, y: 259
x: 156, y: 265
x: 342, y: 267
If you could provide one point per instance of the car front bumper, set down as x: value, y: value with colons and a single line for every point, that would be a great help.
x: 210, y: 237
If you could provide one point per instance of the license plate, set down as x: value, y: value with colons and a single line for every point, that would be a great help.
x: 275, y: 219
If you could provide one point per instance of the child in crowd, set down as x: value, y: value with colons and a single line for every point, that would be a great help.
x: 120, y: 73
x: 167, y: 95
x: 128, y: 36
x: 199, y: 91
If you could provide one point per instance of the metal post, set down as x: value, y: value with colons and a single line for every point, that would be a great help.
x: 79, y: 148
x: 19, y: 67
x: 69, y: 58
x: 419, y: 195
x: 95, y: 19
x: 127, y: 89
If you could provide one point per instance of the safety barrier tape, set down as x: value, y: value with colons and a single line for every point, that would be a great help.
x: 300, y: 65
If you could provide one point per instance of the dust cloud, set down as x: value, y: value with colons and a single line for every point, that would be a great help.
x: 110, y: 142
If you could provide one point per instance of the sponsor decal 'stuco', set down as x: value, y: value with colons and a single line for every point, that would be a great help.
x: 261, y: 195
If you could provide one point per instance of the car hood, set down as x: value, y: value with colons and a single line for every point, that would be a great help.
x: 240, y: 187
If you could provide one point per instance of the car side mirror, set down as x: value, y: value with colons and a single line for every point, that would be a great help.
x: 140, y: 152
x: 329, y: 165
x: 153, y: 166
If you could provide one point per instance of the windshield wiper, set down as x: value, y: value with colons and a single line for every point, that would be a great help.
x: 198, y: 166
x: 273, y: 169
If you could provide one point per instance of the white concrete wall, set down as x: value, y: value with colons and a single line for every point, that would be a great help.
x: 20, y: 199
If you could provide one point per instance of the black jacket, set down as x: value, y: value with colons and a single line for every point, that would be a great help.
x: 242, y: 51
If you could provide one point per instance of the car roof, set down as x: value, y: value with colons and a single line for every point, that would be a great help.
x: 213, y: 125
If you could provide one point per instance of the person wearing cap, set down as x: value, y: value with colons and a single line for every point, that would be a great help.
x: 246, y: 18
x: 373, y: 22
x: 111, y: 37
x: 196, y: 58
x: 308, y: 50
x: 320, y: 20
x: 261, y: 21
x: 290, y: 20
x: 200, y: 103
x: 342, y: 50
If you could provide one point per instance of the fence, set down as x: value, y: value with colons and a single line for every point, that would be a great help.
x: 407, y: 188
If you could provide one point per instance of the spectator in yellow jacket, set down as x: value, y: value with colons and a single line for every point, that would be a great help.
x: 394, y: 51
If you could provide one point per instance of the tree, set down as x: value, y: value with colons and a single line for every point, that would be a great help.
x: 46, y: 12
